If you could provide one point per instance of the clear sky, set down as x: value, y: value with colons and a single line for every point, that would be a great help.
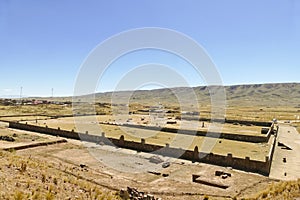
x: 44, y: 43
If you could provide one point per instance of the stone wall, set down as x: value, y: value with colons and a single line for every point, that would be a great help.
x: 229, y: 136
x: 245, y: 164
x: 243, y: 122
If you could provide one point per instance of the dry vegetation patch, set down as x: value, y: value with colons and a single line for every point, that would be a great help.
x: 19, y: 137
x: 35, y: 110
x: 281, y: 190
x: 27, y: 178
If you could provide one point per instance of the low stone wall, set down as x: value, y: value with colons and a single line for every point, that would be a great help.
x: 25, y: 115
x: 245, y: 164
x: 35, y: 144
x: 229, y: 136
x: 229, y: 121
x: 273, y: 146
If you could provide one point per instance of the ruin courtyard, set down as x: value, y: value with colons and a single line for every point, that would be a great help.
x: 225, y: 174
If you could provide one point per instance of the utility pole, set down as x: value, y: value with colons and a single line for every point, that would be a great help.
x: 52, y: 90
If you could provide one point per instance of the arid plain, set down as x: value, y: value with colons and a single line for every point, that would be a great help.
x: 41, y: 166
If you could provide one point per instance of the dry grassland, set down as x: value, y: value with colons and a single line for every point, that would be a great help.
x: 28, y: 178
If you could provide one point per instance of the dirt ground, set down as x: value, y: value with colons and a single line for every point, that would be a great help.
x: 112, y: 169
x: 19, y: 137
x: 286, y: 160
x: 256, y: 151
x: 69, y: 123
x: 31, y: 177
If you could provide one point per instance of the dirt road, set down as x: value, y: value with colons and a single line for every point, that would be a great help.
x: 286, y: 160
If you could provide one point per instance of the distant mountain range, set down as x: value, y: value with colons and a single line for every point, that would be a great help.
x: 265, y: 94
x: 273, y: 94
x: 252, y: 94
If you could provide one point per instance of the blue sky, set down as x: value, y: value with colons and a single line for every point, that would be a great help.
x: 43, y: 43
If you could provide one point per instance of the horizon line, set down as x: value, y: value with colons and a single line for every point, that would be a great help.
x: 128, y: 90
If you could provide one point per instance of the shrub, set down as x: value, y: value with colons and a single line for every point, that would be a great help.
x: 205, y: 197
x: 49, y: 196
x: 43, y: 178
x: 19, y: 195
x: 23, y: 167
x: 55, y: 181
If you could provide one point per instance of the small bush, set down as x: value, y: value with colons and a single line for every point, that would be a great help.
x: 36, y: 196
x: 49, y: 196
x: 23, y: 167
x: 265, y: 194
x: 205, y: 197
x: 55, y: 181
x: 43, y: 178
x: 19, y: 195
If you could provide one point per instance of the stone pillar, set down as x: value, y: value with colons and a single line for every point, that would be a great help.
x: 195, y: 154
x: 247, y: 164
x: 229, y: 160
x: 122, y: 140
x: 267, y: 159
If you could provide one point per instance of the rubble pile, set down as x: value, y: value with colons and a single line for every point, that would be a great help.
x: 134, y: 194
x: 7, y: 138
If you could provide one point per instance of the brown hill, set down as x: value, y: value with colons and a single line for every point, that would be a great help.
x: 275, y: 94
